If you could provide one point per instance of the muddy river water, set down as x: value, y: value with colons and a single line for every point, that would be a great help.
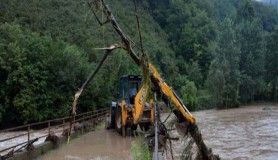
x: 243, y: 133
x: 97, y: 145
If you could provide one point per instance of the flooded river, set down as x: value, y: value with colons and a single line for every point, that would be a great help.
x: 243, y: 133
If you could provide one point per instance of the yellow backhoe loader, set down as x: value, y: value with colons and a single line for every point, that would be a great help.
x: 131, y: 109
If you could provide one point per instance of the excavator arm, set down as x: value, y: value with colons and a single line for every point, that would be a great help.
x: 139, y: 103
x: 161, y: 86
x: 170, y: 94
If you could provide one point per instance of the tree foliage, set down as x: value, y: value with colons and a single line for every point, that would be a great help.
x: 215, y: 53
x: 272, y: 65
x: 38, y: 75
x: 189, y: 92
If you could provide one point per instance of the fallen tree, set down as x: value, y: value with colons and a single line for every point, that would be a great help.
x: 126, y: 44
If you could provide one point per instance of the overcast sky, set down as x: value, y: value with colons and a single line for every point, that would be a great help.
x: 269, y: 1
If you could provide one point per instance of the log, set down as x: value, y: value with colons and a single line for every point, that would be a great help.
x: 206, y: 153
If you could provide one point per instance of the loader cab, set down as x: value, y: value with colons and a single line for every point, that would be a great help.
x: 129, y: 86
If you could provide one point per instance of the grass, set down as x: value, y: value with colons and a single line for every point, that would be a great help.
x: 100, y: 126
x: 140, y: 150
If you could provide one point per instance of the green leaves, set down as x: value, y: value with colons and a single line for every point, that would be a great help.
x: 213, y: 52
x: 252, y: 47
x: 226, y: 68
x: 47, y: 50
x: 40, y: 74
x: 272, y: 65
x: 189, y: 94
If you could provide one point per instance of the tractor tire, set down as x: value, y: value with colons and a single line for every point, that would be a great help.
x: 108, y: 122
x: 113, y: 118
x: 124, y: 131
x: 145, y: 126
x: 119, y: 127
x: 134, y: 127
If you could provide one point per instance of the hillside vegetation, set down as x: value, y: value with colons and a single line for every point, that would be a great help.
x: 215, y: 53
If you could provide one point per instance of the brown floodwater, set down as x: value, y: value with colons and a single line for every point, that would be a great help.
x: 242, y: 133
x: 97, y: 145
x: 239, y: 134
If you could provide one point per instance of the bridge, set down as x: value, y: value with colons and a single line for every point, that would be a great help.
x: 32, y: 140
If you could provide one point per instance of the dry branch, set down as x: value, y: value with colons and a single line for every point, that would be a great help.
x: 108, y: 50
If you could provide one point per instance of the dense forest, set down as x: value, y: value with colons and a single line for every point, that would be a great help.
x: 215, y: 53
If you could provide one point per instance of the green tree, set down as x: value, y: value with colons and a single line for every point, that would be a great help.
x: 52, y: 43
x: 229, y: 49
x: 224, y: 76
x: 215, y: 83
x: 189, y: 94
x: 39, y: 75
x: 191, y: 30
x: 252, y: 59
x: 194, y: 73
x: 47, y: 50
x: 272, y: 64
x: 250, y: 36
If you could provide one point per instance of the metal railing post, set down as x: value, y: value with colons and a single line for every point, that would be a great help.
x: 155, y: 154
x: 48, y: 127
x: 63, y: 125
x: 81, y: 120
x: 28, y: 134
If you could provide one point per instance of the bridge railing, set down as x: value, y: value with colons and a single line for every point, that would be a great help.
x: 16, y: 138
